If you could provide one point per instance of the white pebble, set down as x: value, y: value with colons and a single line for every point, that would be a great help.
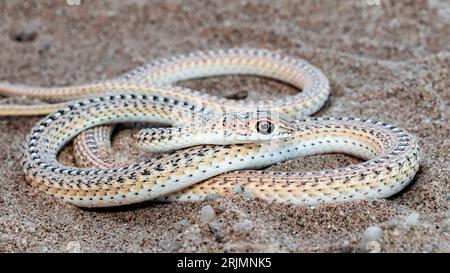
x: 373, y: 247
x: 243, y: 226
x: 207, y: 214
x: 168, y: 245
x: 412, y: 219
x: 345, y: 248
x: 181, y: 225
x: 373, y: 233
x: 73, y: 247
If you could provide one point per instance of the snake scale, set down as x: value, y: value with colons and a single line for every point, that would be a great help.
x: 210, y: 137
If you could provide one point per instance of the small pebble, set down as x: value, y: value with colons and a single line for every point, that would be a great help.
x: 291, y: 244
x: 215, y: 226
x: 244, y: 226
x: 207, y: 214
x: 27, y: 34
x: 395, y: 233
x: 412, y: 219
x: 181, y: 225
x: 217, y: 229
x: 373, y: 247
x: 372, y: 233
x: 345, y: 248
x: 168, y: 245
x: 73, y: 247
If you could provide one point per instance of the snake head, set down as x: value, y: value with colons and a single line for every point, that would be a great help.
x: 247, y: 127
x: 228, y: 128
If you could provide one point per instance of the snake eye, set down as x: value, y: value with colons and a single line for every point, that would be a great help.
x: 264, y: 127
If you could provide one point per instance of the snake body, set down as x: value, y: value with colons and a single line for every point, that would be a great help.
x: 218, y: 136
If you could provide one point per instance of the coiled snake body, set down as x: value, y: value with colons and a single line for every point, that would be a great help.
x: 217, y: 136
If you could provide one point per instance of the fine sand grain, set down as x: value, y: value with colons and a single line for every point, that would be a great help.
x: 389, y: 62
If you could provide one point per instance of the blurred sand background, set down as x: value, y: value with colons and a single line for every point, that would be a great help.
x: 388, y: 62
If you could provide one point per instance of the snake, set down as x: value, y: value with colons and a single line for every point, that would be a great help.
x: 211, y: 137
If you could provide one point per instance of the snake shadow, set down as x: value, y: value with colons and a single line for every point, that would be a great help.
x: 399, y: 194
x: 127, y: 208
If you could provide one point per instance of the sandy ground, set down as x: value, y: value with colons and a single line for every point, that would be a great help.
x: 389, y: 62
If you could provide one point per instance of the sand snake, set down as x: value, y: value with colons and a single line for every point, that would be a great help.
x: 225, y: 136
